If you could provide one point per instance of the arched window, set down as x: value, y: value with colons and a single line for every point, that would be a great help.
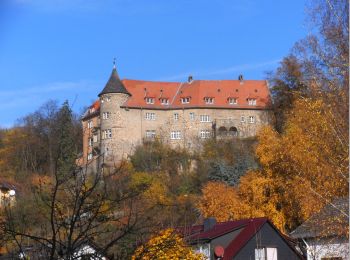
x: 222, y: 131
x: 233, y: 131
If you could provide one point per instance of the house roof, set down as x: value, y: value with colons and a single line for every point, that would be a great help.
x: 247, y: 229
x: 332, y: 220
x: 114, y: 85
x: 197, y: 91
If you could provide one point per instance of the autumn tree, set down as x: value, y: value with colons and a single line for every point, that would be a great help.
x: 167, y: 244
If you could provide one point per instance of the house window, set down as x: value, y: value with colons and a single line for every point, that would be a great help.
x: 209, y: 100
x: 251, y: 119
x: 95, y: 138
x: 151, y: 134
x: 107, y: 134
x: 108, y: 98
x: 242, y: 119
x: 204, y: 134
x: 185, y: 100
x: 89, y: 157
x: 90, y: 141
x: 175, y: 135
x: 106, y: 115
x: 232, y: 101
x: 251, y: 101
x: 266, y: 253
x: 204, y: 118
x: 176, y: 116
x: 192, y: 118
x: 150, y: 116
x: 90, y: 124
x: 164, y: 101
x: 149, y: 100
x: 106, y: 151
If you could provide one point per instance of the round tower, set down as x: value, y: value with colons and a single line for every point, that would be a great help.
x: 114, y: 95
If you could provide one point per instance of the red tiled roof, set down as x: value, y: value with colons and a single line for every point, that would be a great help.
x: 197, y: 90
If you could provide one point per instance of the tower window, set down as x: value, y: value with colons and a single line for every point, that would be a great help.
x: 106, y: 115
x: 176, y: 116
x: 242, y: 119
x: 107, y: 134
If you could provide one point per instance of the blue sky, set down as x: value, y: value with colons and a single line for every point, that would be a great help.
x: 63, y: 49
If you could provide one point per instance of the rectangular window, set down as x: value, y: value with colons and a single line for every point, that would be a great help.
x: 89, y: 157
x: 90, y: 141
x: 242, y: 119
x: 266, y: 253
x: 251, y: 101
x: 149, y: 100
x: 151, y: 134
x: 185, y: 100
x: 204, y: 134
x: 164, y: 101
x: 192, y: 118
x: 175, y: 135
x: 90, y: 124
x: 176, y: 116
x: 209, y: 100
x: 95, y: 138
x: 150, y: 116
x: 204, y: 118
x: 106, y: 115
x: 251, y: 119
x: 232, y: 101
x: 107, y: 134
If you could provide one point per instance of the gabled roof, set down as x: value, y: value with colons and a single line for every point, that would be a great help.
x: 114, y: 85
x: 246, y: 228
x: 332, y: 220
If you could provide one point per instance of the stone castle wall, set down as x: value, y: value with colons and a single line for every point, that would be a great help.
x: 129, y: 125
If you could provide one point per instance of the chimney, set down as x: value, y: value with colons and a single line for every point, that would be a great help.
x: 240, y: 78
x: 190, y: 79
x: 209, y: 223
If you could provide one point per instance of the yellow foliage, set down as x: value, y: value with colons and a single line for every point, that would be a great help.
x: 166, y: 245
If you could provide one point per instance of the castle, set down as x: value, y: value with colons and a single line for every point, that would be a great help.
x: 129, y: 112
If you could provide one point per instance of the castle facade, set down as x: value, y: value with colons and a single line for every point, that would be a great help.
x: 129, y: 112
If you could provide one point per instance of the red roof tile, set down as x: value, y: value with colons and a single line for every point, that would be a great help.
x: 197, y: 90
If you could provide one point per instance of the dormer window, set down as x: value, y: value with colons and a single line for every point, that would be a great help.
x: 164, y: 101
x: 251, y: 101
x: 185, y: 100
x: 209, y: 100
x: 149, y: 100
x: 232, y: 101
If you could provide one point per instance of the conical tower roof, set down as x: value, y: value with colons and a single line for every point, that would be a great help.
x: 114, y: 85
